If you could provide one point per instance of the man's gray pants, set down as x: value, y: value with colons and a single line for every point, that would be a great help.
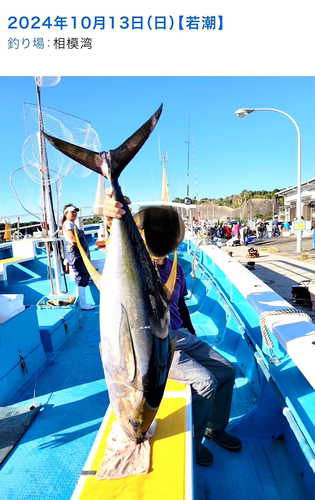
x: 211, y: 377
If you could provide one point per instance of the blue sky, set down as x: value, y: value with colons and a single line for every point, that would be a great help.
x: 231, y: 154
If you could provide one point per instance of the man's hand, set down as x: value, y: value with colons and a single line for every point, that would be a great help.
x: 112, y: 209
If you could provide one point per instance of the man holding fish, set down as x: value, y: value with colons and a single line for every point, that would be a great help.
x: 142, y: 317
x: 209, y: 374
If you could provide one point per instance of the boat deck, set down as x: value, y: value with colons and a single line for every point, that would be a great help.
x: 72, y: 391
x: 50, y: 456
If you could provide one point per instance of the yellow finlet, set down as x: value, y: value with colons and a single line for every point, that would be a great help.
x: 96, y: 277
x: 170, y: 284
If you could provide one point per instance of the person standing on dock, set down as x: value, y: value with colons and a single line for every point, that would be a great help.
x: 195, y: 363
x: 69, y: 226
x: 236, y: 230
x: 275, y: 227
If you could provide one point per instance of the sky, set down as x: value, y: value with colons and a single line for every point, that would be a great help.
x: 226, y: 154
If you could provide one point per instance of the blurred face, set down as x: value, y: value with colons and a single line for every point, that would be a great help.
x: 72, y: 215
x: 156, y: 260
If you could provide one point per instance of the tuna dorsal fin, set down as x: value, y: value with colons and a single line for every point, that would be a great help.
x: 170, y: 284
x: 96, y: 277
x: 127, y: 359
x: 90, y: 159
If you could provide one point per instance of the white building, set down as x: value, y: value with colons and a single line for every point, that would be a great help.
x: 307, y: 201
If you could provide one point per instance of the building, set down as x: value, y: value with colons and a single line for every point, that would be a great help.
x: 307, y: 201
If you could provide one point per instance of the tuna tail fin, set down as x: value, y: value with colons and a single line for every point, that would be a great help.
x: 169, y: 286
x: 121, y: 156
x: 96, y: 277
x: 113, y: 162
x: 85, y: 157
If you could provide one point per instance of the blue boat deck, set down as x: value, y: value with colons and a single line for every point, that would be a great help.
x: 72, y: 391
x: 48, y: 460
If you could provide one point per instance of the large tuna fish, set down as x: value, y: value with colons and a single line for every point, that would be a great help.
x: 134, y: 312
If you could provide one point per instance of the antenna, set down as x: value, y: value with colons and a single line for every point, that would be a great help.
x: 159, y: 149
x: 188, y: 152
x: 197, y: 195
x: 164, y: 180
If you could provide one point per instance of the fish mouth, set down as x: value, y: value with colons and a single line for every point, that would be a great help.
x: 140, y: 428
x: 138, y: 434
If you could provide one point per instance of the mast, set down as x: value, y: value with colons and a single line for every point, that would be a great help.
x: 164, y: 196
x: 197, y: 195
x: 99, y: 197
x: 49, y: 216
x: 164, y: 182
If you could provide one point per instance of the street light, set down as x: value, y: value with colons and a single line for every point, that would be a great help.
x: 241, y: 113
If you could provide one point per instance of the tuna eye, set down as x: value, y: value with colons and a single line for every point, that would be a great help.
x: 135, y: 424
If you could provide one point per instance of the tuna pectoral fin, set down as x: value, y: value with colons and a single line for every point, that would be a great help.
x: 96, y: 277
x: 90, y: 159
x: 170, y: 284
x: 127, y: 352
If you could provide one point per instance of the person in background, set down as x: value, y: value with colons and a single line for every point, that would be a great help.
x: 227, y: 232
x: 221, y: 232
x: 69, y: 226
x: 275, y: 227
x: 236, y: 230
x: 209, y: 374
x: 212, y: 232
x: 260, y: 230
x: 244, y: 234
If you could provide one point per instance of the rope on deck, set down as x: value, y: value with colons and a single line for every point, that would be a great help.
x: 264, y: 331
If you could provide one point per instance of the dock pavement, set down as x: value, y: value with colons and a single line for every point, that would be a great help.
x: 280, y: 266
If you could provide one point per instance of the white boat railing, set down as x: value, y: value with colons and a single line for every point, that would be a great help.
x: 260, y: 358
